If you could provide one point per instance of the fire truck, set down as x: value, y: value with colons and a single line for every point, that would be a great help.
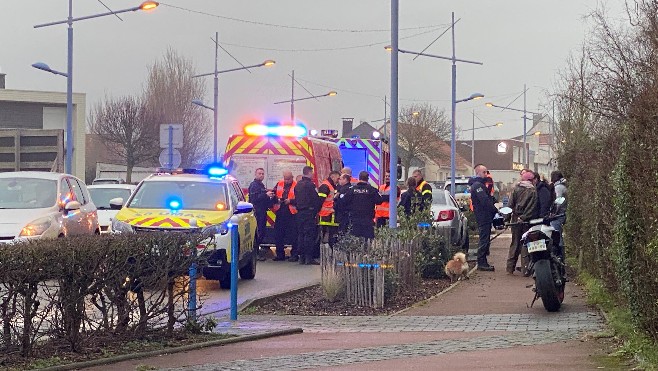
x: 277, y: 147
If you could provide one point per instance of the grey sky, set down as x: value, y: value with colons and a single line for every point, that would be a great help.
x: 519, y: 41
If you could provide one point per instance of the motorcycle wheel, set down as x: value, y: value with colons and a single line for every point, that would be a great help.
x: 545, y: 286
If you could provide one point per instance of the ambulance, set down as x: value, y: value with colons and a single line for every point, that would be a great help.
x: 276, y: 147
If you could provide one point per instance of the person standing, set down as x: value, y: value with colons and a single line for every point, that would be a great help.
x: 361, y: 200
x: 544, y: 197
x: 559, y: 185
x: 423, y: 187
x: 308, y: 202
x: 285, y: 224
x: 328, y: 224
x: 484, y: 210
x: 524, y: 208
x: 262, y: 199
x: 382, y: 210
x: 341, y: 208
x: 411, y: 200
x: 348, y: 171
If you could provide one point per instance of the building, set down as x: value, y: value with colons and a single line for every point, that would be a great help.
x: 540, y: 140
x: 27, y: 109
x: 503, y: 157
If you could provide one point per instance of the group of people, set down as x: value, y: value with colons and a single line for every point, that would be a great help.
x: 306, y: 216
x: 531, y: 198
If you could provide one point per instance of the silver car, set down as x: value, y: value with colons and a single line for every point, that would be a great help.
x: 447, y: 214
x: 37, y: 204
x: 102, y: 194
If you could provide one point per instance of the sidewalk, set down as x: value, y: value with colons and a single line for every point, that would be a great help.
x: 482, y: 323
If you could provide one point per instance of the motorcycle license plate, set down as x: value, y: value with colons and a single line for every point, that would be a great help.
x: 534, y: 246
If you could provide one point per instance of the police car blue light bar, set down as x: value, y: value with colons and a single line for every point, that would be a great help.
x: 217, y: 171
x: 174, y: 203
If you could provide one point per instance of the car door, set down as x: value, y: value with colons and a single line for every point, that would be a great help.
x: 71, y: 219
x: 88, y: 209
x: 460, y: 219
x: 245, y: 227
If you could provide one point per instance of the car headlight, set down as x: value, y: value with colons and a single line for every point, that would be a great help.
x: 36, y: 228
x: 121, y: 227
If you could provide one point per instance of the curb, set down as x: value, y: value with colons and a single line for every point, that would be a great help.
x: 258, y: 301
x: 423, y: 302
x: 184, y: 348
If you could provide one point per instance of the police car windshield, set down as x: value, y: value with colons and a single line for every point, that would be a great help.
x: 191, y: 195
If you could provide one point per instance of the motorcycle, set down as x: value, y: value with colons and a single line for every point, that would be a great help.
x: 546, y: 259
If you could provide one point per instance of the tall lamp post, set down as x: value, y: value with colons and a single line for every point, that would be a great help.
x: 473, y: 129
x: 454, y: 61
x: 293, y: 100
x: 525, y: 117
x: 215, y: 106
x: 146, y: 5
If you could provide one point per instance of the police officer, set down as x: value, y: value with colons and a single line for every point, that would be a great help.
x: 348, y: 171
x: 382, y: 210
x: 361, y: 200
x: 308, y: 204
x: 328, y: 224
x: 262, y: 200
x: 423, y: 187
x: 285, y: 225
x: 484, y: 209
x: 341, y: 209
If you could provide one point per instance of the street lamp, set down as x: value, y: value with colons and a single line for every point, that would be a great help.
x: 525, y: 112
x: 293, y: 100
x: 453, y: 59
x: 498, y: 124
x: 215, y: 73
x: 146, y: 5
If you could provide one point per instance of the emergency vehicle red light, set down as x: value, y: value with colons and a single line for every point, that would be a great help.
x: 275, y: 130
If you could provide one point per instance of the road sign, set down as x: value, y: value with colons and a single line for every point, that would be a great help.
x: 176, y: 135
x: 170, y: 161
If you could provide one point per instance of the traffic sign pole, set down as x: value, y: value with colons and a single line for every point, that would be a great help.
x: 171, y: 147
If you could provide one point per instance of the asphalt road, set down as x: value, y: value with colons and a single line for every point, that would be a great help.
x: 271, y: 278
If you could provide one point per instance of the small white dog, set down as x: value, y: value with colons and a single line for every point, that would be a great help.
x: 457, y: 268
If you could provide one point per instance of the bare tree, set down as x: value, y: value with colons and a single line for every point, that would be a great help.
x: 421, y: 131
x: 168, y: 94
x: 121, y: 125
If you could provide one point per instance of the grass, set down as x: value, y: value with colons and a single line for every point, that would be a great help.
x: 633, y: 343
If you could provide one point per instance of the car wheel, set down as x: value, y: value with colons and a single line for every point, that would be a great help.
x: 248, y: 272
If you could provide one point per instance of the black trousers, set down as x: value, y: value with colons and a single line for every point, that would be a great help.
x: 382, y: 222
x: 307, y: 225
x: 261, y: 224
x: 484, y: 231
x: 285, y: 231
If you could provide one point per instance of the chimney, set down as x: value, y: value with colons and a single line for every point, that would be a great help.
x: 347, y: 125
x: 2, y: 80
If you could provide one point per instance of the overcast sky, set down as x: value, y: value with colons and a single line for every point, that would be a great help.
x: 519, y: 41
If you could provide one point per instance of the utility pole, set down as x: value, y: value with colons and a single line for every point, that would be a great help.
x: 292, y: 99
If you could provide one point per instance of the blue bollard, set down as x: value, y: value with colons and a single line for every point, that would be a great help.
x: 234, y: 271
x: 191, y: 304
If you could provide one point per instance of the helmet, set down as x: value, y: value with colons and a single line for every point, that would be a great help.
x: 499, y: 221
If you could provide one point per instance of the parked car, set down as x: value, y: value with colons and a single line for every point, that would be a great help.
x: 36, y: 204
x: 447, y: 214
x: 101, y: 194
x: 108, y: 181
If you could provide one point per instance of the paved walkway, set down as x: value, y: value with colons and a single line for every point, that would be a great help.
x: 483, y: 323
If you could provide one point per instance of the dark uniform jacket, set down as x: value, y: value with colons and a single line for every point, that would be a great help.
x: 258, y: 196
x: 483, y: 204
x: 412, y: 201
x: 426, y: 192
x: 341, y: 207
x: 544, y: 199
x: 306, y: 197
x: 361, y: 199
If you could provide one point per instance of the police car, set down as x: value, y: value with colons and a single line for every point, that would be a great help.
x: 195, y: 202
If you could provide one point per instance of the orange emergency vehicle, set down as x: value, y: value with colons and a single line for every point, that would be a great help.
x: 277, y: 147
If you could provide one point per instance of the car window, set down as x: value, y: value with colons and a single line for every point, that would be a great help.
x: 234, y: 197
x: 238, y: 191
x: 453, y: 203
x: 25, y: 193
x: 438, y: 197
x: 65, y: 193
x: 102, y: 196
x: 77, y: 191
x: 189, y: 195
x: 459, y: 188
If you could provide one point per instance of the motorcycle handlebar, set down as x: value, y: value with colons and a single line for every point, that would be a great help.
x: 544, y: 220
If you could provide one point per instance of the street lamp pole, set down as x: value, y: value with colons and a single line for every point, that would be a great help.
x: 454, y: 106
x: 216, y: 100
x: 393, y: 139
x: 146, y: 5
x: 292, y: 99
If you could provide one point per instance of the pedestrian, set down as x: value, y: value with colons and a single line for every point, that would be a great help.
x: 361, y: 200
x: 484, y: 210
x: 423, y: 187
x: 285, y: 224
x: 348, y: 171
x: 328, y: 224
x: 262, y: 199
x: 544, y: 197
x: 308, y: 203
x: 559, y: 185
x: 382, y: 210
x: 298, y: 178
x: 411, y: 200
x: 524, y: 208
x: 340, y: 207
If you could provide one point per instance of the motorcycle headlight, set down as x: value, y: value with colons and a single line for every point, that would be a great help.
x: 36, y: 228
x: 121, y: 227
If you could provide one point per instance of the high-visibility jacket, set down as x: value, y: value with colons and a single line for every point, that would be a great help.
x: 382, y: 210
x: 291, y: 196
x: 327, y: 212
x: 328, y: 204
